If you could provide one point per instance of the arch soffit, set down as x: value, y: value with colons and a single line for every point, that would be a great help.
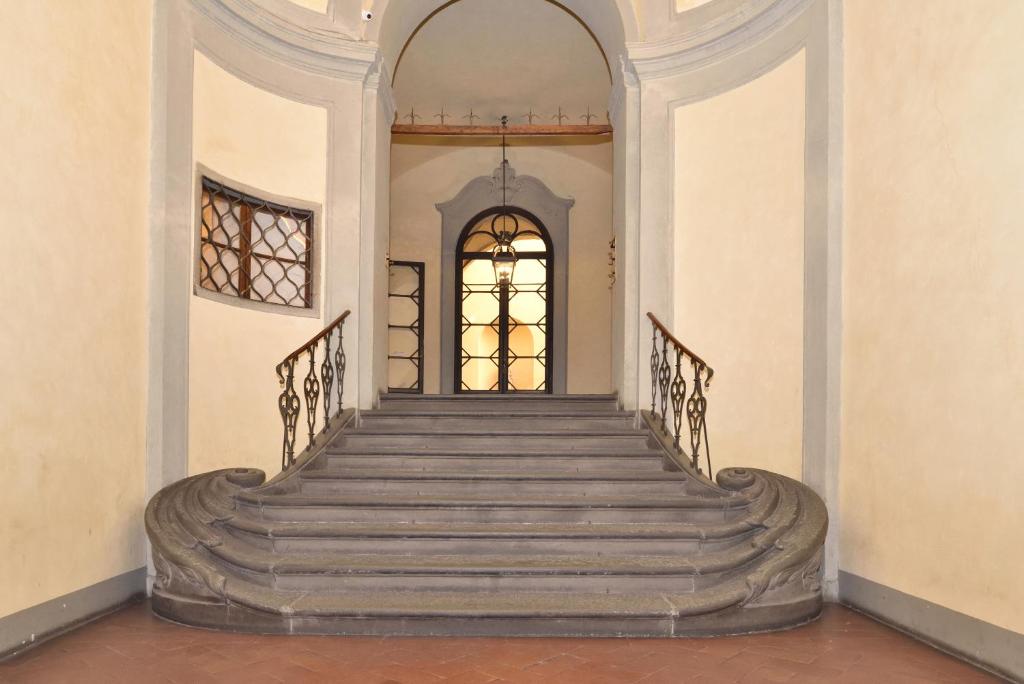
x: 679, y: 42
x: 613, y: 23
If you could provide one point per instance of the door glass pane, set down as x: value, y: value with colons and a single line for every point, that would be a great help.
x: 479, y: 336
x: 481, y: 373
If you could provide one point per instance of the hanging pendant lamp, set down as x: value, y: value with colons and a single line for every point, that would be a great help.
x: 503, y: 257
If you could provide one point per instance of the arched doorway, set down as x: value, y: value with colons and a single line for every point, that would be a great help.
x: 505, y: 332
x: 450, y: 78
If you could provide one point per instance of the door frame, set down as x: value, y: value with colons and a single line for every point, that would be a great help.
x: 528, y: 194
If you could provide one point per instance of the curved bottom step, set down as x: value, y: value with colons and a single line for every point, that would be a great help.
x: 545, y: 616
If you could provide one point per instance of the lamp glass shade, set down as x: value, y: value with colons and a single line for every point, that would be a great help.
x: 503, y: 258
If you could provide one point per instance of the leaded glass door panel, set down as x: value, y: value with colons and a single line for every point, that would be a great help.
x: 504, y: 333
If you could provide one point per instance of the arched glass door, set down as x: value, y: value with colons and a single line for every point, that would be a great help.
x: 504, y: 333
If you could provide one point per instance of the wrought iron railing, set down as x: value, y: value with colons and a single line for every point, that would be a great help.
x: 679, y: 380
x: 324, y: 381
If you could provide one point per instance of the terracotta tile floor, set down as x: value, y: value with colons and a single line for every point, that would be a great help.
x: 133, y: 646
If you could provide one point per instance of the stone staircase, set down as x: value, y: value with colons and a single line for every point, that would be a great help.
x: 487, y: 515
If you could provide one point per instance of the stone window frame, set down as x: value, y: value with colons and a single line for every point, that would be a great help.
x: 312, y: 309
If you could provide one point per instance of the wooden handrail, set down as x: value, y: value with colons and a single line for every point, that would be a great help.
x: 672, y: 338
x: 319, y: 336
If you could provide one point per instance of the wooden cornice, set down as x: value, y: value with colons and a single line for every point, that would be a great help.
x: 520, y: 131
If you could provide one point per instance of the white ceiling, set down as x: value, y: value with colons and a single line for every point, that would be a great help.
x: 502, y: 57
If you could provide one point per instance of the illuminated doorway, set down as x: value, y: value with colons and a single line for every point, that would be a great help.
x: 504, y: 332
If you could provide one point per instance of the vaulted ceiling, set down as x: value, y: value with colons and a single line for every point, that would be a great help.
x: 499, y: 57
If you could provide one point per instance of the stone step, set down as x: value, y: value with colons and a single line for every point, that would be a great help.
x: 434, y: 613
x: 498, y: 581
x: 512, y: 409
x: 739, y: 557
x: 515, y: 538
x: 492, y: 402
x: 518, y: 423
x: 551, y: 442
x: 501, y: 484
x: 467, y: 572
x: 484, y: 509
x: 444, y: 461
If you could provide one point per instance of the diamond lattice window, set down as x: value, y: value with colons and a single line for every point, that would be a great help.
x: 255, y: 249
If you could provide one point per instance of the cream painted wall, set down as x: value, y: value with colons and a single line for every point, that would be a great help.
x: 280, y: 146
x: 425, y: 173
x: 315, y: 5
x: 74, y: 129
x: 683, y: 5
x: 933, y: 364
x: 739, y: 212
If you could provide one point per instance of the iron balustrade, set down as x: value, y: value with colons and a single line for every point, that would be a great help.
x: 326, y: 381
x: 671, y: 365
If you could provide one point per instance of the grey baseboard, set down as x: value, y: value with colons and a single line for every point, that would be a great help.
x: 27, y: 628
x: 981, y: 643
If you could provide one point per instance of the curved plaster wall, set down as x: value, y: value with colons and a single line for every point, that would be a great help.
x: 74, y: 128
x: 933, y: 365
x: 277, y: 146
x: 739, y: 263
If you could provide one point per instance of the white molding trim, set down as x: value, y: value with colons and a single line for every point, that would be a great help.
x: 723, y: 37
x: 379, y: 78
x: 622, y: 78
x: 311, y: 45
x: 815, y: 26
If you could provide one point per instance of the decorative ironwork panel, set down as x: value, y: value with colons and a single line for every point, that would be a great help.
x: 405, y: 326
x: 678, y: 393
x: 255, y: 249
x: 664, y: 379
x: 311, y: 390
x: 318, y: 382
x: 670, y: 392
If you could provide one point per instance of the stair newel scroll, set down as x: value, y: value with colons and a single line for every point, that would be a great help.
x: 671, y: 363
x: 318, y: 381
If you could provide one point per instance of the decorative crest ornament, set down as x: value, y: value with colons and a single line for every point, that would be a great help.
x: 412, y: 116
x: 588, y: 116
x: 530, y: 116
x: 471, y: 116
x: 560, y: 116
x: 442, y: 116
